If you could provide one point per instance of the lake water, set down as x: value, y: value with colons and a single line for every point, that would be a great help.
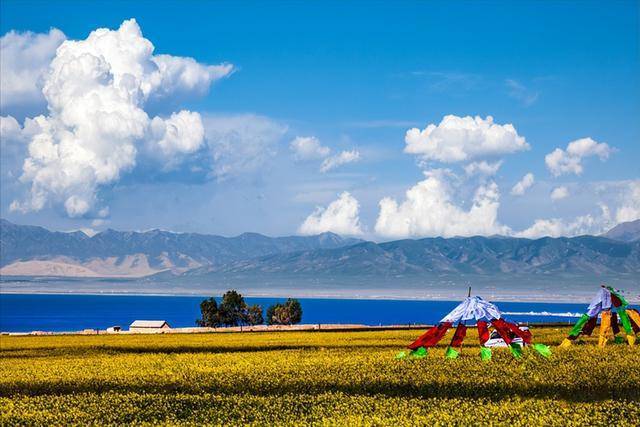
x: 23, y: 313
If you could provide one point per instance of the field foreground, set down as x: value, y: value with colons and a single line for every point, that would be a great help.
x: 342, y: 378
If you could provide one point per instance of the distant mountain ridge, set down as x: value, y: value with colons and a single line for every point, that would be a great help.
x: 626, y: 231
x: 28, y: 250
x: 120, y: 253
x: 467, y: 255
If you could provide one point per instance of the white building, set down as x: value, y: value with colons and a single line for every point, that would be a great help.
x: 149, y: 326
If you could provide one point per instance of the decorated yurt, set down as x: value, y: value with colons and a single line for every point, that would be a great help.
x: 615, y: 316
x: 483, y: 315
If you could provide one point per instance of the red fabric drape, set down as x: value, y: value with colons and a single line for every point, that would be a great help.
x: 502, y: 329
x: 525, y: 335
x: 505, y: 329
x: 458, y: 336
x: 483, y: 331
x: 614, y: 323
x: 588, y: 328
x: 615, y: 300
x: 431, y: 337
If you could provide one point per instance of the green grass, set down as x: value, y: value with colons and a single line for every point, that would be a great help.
x: 292, y: 378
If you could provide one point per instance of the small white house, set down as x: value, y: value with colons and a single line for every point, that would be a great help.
x: 149, y: 326
x: 113, y: 329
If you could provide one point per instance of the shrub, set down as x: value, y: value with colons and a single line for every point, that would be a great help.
x: 289, y: 313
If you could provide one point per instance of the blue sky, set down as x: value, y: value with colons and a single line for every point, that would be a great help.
x: 355, y: 76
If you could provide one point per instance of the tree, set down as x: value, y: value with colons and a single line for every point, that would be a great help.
x: 232, y: 309
x: 254, y: 315
x: 209, y: 313
x: 270, y: 314
x: 288, y: 313
x: 295, y: 311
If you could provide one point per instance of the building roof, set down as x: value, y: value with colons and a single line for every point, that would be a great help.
x: 148, y: 324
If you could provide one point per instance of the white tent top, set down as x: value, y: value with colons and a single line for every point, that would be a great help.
x: 602, y: 301
x: 473, y: 308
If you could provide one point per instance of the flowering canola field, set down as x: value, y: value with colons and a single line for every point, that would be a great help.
x: 292, y: 378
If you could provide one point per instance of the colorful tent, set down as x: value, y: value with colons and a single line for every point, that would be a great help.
x: 611, y: 306
x: 482, y: 313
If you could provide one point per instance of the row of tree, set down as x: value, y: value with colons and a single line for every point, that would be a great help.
x: 234, y: 311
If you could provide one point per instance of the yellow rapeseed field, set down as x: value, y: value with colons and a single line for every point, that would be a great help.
x: 292, y: 378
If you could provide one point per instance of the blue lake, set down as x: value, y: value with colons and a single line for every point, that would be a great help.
x: 23, y: 313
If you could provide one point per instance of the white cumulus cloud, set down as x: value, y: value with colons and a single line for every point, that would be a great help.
x: 523, y: 185
x: 10, y: 130
x: 457, y: 139
x: 183, y: 132
x: 429, y: 210
x: 559, y: 193
x: 339, y: 159
x: 341, y: 217
x: 177, y: 74
x: 483, y: 168
x: 308, y: 148
x: 96, y: 91
x: 555, y: 227
x: 629, y: 209
x: 569, y: 161
x: 25, y: 60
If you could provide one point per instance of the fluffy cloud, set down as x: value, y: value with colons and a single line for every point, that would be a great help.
x: 624, y: 199
x: 240, y: 143
x: 341, y: 217
x: 25, y: 61
x: 555, y: 227
x: 183, y: 132
x: 629, y: 209
x: 523, y: 185
x: 569, y: 161
x: 96, y: 91
x: 308, y: 148
x: 176, y: 74
x: 559, y: 193
x: 13, y: 142
x: 457, y: 139
x: 339, y: 159
x: 10, y: 130
x: 429, y: 210
x: 483, y: 168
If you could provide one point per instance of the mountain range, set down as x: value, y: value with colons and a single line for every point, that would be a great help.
x: 626, y: 231
x: 35, y: 251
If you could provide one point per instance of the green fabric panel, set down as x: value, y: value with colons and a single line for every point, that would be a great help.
x: 542, y: 349
x: 577, y: 328
x: 485, y: 353
x: 516, y: 350
x: 451, y: 353
x: 626, y: 323
x: 419, y: 353
x: 619, y: 340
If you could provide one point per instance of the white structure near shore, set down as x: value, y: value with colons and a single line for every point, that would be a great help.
x: 149, y: 326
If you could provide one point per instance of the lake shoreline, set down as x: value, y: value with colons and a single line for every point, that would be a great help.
x: 507, y: 297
